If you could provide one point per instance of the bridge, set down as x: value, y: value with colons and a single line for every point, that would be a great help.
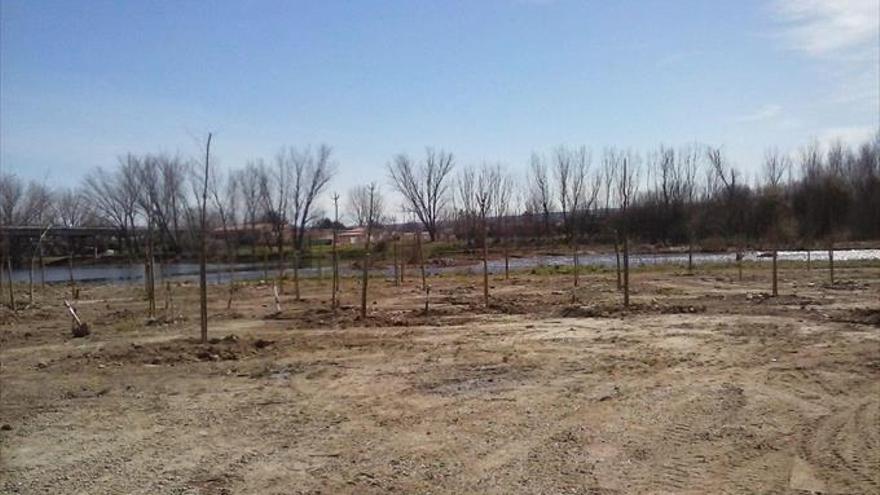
x: 32, y: 231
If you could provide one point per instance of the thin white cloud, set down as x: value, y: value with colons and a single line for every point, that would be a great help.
x: 841, y: 35
x: 766, y: 112
x: 851, y: 135
x: 848, y: 28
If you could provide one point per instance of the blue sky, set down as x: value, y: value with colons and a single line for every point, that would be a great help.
x: 82, y: 82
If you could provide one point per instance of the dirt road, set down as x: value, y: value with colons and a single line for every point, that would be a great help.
x: 705, y: 386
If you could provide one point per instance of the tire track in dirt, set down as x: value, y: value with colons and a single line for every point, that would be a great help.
x: 701, y: 449
x: 845, y: 442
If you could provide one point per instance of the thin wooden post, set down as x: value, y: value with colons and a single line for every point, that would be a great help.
x: 365, y: 277
x: 625, y: 269
x: 42, y: 265
x: 775, y: 276
x: 396, y: 268
x: 169, y: 303
x: 739, y: 262
x: 421, y: 259
x: 831, y: 261
x: 427, y: 298
x: 203, y: 258
x: 296, y: 257
x: 403, y: 266
x: 73, y: 291
x: 335, y: 272
x: 9, y: 274
x: 31, y: 283
x: 485, y: 262
x: 617, y: 258
x: 690, y: 254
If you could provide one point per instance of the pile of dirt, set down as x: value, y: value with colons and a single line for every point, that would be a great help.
x: 349, y: 316
x: 864, y: 316
x: 781, y: 300
x: 229, y: 348
x: 617, y: 310
x: 845, y: 285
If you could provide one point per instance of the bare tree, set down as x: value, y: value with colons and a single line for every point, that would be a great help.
x: 311, y: 174
x: 424, y: 187
x: 540, y: 190
x: 562, y: 172
x: 571, y: 170
x: 611, y: 160
x: 37, y: 210
x: 143, y: 171
x: 689, y: 157
x: 464, y: 205
x: 203, y: 241
x: 501, y: 211
x: 11, y: 199
x: 72, y: 210
x: 627, y: 188
x: 115, y: 199
x: 11, y: 194
x: 248, y: 180
x: 162, y: 196
x: 275, y: 187
x: 225, y: 196
x: 729, y: 178
x: 367, y: 208
x: 776, y: 166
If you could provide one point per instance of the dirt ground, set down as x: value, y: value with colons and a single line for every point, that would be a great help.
x: 706, y: 385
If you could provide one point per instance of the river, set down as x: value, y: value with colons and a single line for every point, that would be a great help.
x: 219, y: 273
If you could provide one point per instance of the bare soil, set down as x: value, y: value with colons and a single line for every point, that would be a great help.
x: 704, y: 385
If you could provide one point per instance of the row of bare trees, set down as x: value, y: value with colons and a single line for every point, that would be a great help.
x: 691, y: 195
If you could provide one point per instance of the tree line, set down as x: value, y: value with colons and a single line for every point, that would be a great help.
x: 676, y: 196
